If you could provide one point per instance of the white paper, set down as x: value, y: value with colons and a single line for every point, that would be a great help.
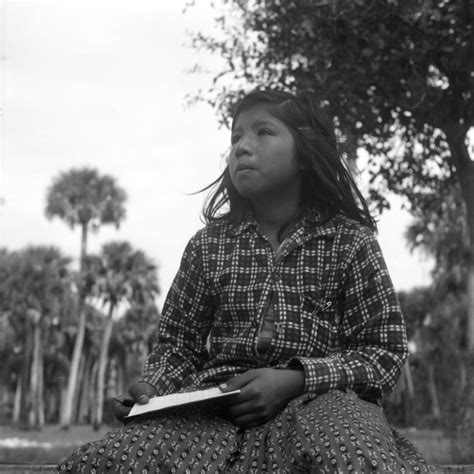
x: 176, y: 399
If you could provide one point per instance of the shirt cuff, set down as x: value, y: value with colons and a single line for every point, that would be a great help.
x: 161, y: 387
x: 321, y: 374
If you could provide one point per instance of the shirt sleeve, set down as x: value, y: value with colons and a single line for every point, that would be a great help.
x: 179, y: 349
x: 373, y: 333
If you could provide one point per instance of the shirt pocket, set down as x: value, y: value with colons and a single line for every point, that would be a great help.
x: 320, y: 319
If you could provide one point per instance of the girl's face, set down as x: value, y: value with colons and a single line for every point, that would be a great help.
x: 262, y: 160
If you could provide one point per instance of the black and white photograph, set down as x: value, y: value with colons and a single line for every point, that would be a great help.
x: 236, y: 236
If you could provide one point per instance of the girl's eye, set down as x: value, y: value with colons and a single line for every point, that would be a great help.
x: 265, y: 131
x: 234, y: 139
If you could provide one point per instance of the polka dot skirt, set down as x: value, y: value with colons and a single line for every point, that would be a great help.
x: 335, y: 433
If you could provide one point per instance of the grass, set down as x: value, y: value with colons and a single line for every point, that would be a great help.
x: 432, y: 444
x: 51, y: 444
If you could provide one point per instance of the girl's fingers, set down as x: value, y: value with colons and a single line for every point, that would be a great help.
x: 120, y: 410
x: 248, y: 420
x: 240, y: 409
x: 141, y: 392
x: 238, y: 382
x: 242, y: 397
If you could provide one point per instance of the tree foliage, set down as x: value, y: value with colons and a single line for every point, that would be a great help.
x: 440, y: 230
x: 392, y: 74
x: 122, y: 273
x: 83, y: 197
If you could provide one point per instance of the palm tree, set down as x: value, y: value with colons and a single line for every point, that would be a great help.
x: 34, y: 283
x: 82, y: 197
x: 132, y: 340
x: 125, y: 275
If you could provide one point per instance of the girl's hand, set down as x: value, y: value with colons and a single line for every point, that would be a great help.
x: 140, y: 392
x: 263, y: 392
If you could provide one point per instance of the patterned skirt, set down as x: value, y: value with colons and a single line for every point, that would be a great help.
x: 334, y: 432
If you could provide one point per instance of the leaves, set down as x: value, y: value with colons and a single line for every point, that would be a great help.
x: 440, y: 229
x: 391, y: 72
x: 35, y: 286
x: 82, y: 196
x: 36, y: 278
x: 120, y: 274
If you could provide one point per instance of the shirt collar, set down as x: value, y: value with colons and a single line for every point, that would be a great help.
x: 247, y: 222
x: 318, y: 225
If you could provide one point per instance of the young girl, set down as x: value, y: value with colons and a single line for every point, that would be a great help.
x: 284, y: 295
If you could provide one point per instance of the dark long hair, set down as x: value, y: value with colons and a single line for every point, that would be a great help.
x: 327, y: 183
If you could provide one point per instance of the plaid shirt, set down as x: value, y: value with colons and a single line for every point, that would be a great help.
x: 336, y: 313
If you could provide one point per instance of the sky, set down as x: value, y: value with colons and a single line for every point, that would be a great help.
x: 103, y: 84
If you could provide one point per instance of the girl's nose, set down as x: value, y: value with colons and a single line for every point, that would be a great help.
x: 243, y: 146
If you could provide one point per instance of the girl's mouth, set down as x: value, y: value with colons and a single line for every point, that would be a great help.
x: 243, y: 167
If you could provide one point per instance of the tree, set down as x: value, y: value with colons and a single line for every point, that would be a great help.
x: 133, y: 339
x: 395, y: 76
x: 441, y: 231
x: 83, y: 197
x: 8, y: 336
x: 122, y: 275
x: 33, y: 284
x: 437, y: 319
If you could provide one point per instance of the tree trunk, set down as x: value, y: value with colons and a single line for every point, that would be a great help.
x: 435, y: 410
x: 83, y: 246
x: 68, y: 407
x: 52, y: 400
x: 36, y: 408
x: 41, y: 408
x: 81, y: 380
x: 112, y: 375
x: 62, y: 399
x: 25, y: 396
x: 80, y: 389
x: 34, y: 416
x: 409, y: 380
x: 103, y: 357
x: 17, y: 401
x: 120, y: 378
x: 32, y: 419
x: 463, y: 438
x: 456, y: 136
x: 93, y: 390
x: 84, y: 406
x: 409, y: 396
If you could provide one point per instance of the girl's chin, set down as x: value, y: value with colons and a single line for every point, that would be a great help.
x: 247, y: 192
x: 251, y: 188
x: 245, y: 188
